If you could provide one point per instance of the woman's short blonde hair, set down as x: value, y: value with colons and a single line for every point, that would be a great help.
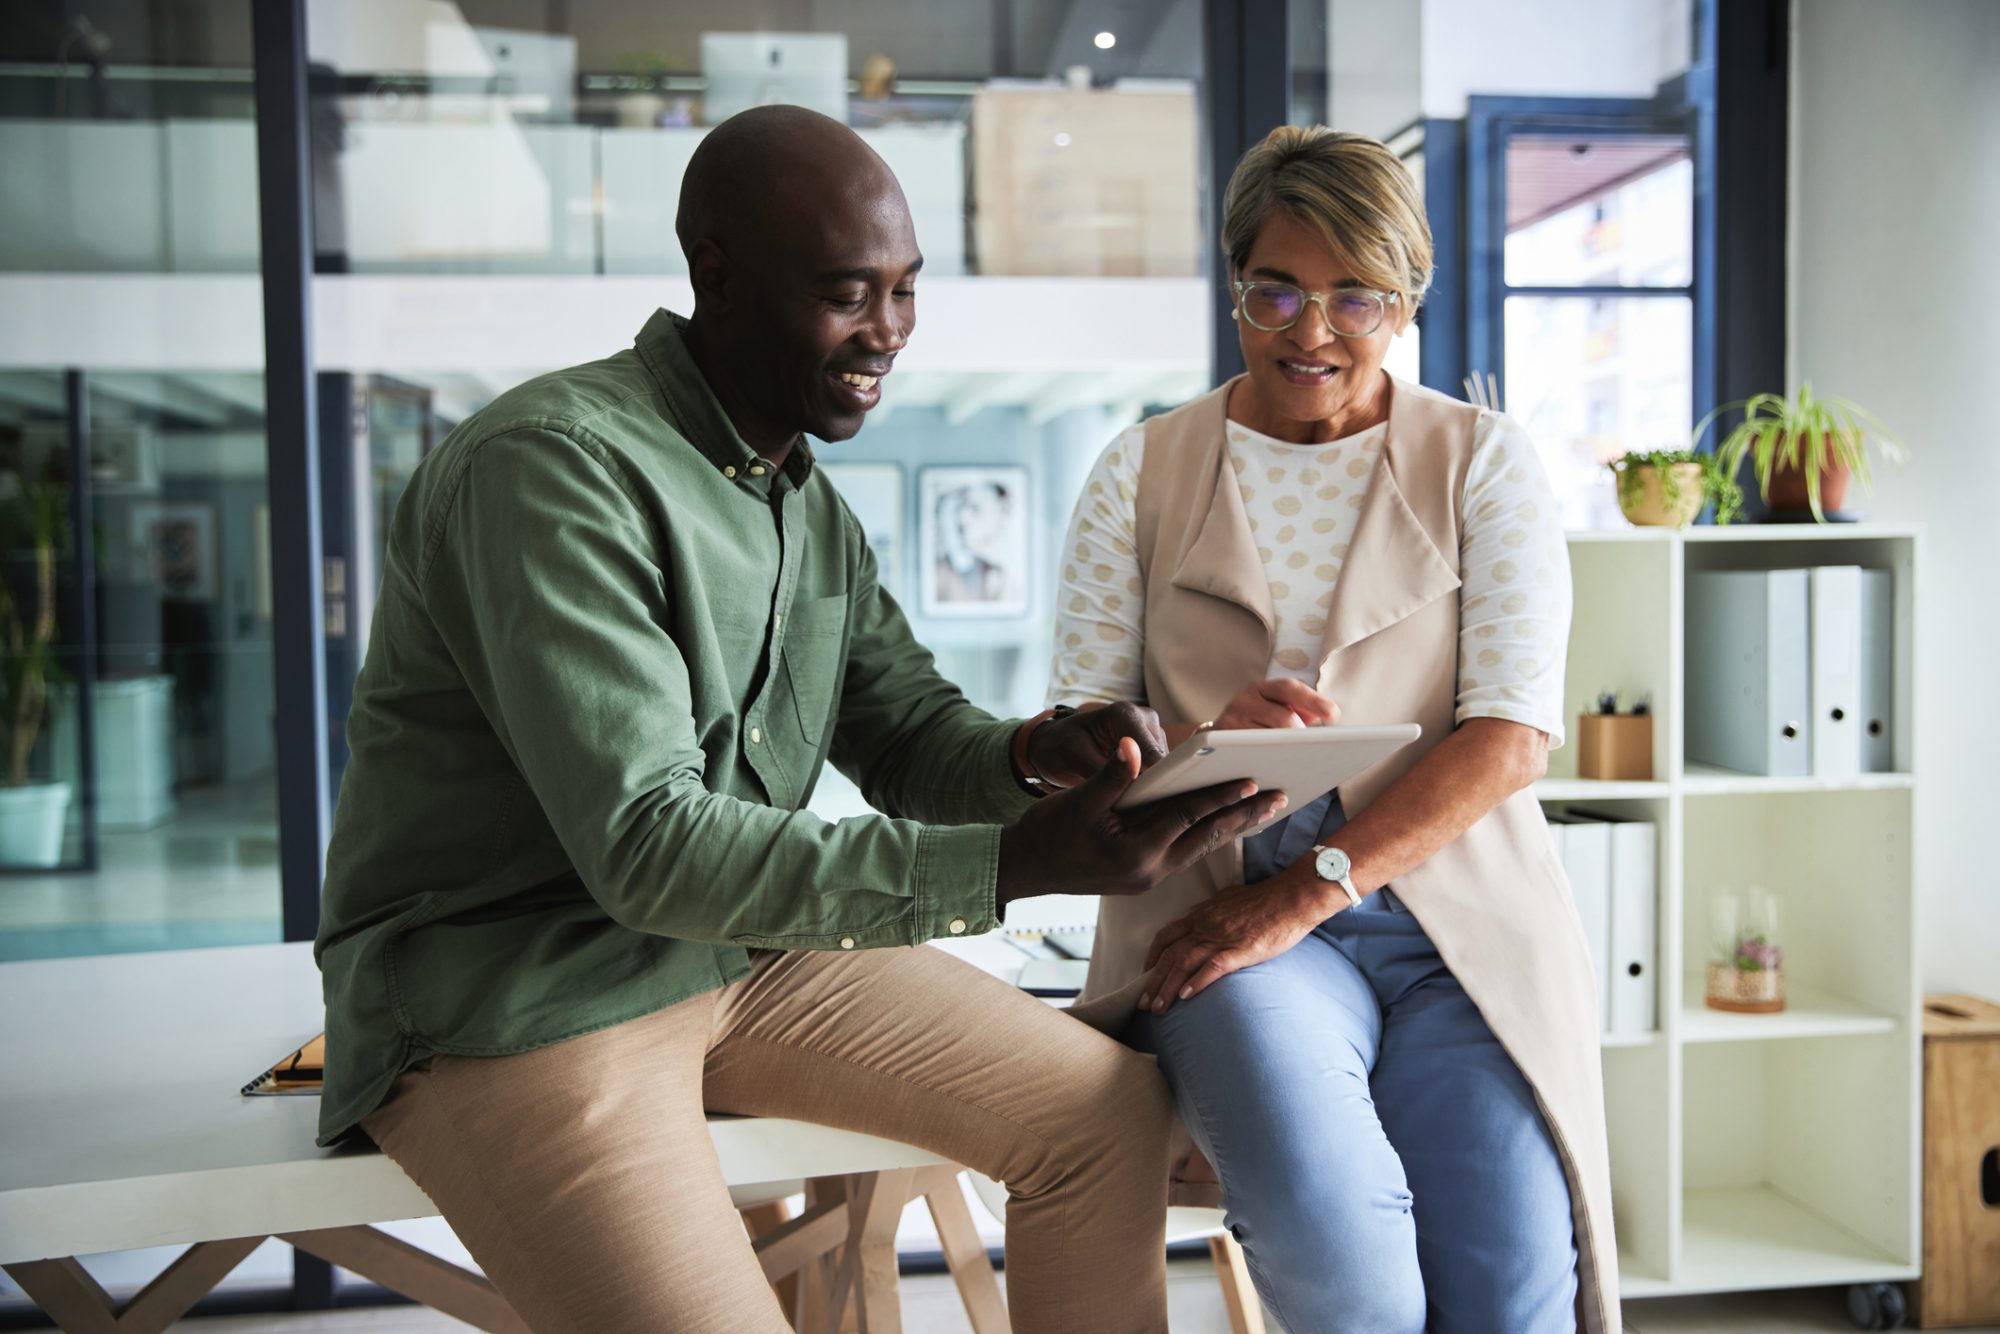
x: 1347, y: 187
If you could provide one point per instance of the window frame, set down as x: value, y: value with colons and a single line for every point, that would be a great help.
x: 1491, y: 124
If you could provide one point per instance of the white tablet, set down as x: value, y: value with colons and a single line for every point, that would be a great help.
x: 1303, y: 762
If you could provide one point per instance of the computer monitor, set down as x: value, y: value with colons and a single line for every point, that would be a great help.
x: 535, y: 71
x: 754, y: 69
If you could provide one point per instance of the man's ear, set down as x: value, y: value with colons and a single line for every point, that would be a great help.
x: 708, y: 270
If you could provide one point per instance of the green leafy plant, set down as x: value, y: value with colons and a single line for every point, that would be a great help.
x: 1754, y: 953
x: 1809, y: 433
x: 1717, y: 483
x: 34, y: 521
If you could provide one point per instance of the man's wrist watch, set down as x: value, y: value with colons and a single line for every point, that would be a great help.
x: 1024, y: 767
x: 1336, y: 867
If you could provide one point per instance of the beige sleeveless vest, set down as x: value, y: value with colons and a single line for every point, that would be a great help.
x: 1495, y: 902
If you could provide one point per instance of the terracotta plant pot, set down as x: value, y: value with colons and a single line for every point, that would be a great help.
x: 1647, y: 505
x: 1788, y: 489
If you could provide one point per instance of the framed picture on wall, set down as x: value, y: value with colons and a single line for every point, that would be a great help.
x: 972, y: 539
x: 173, y: 541
x: 874, y: 491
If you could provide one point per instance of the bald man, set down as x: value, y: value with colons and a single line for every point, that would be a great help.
x: 574, y: 900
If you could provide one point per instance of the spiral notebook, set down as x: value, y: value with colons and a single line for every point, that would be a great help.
x: 300, y: 1073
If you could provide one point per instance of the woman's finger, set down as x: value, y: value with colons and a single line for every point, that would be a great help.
x: 1258, y: 711
x: 1176, y: 967
x: 1301, y: 699
x: 1219, y: 966
x: 1167, y: 935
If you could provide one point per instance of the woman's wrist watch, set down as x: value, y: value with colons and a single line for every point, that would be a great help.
x: 1336, y: 867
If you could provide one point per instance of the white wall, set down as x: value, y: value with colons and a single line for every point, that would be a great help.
x: 1552, y: 48
x: 1896, y: 182
x: 1375, y: 52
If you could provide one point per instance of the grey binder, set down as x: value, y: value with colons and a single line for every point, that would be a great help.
x: 1878, y: 670
x: 1836, y: 671
x: 1749, y: 671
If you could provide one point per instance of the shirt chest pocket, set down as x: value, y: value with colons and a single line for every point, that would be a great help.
x: 815, y: 656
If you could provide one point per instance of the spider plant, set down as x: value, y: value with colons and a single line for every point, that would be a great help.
x: 1815, y: 435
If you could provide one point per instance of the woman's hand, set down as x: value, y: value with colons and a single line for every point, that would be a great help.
x: 1236, y: 928
x: 1280, y: 702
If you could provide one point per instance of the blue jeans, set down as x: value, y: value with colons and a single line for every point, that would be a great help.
x: 1383, y: 1161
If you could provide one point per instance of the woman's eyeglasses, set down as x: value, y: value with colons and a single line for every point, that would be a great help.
x: 1351, y: 312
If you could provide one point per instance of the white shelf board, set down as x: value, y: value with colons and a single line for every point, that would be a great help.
x: 1701, y: 780
x: 1807, y: 1014
x: 1634, y: 1280
x: 1746, y: 532
x: 1754, y: 1238
x: 1799, y: 532
x: 1596, y: 789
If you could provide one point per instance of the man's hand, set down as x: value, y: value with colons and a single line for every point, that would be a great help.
x: 1067, y: 751
x: 1280, y: 702
x: 1235, y: 929
x: 1073, y: 842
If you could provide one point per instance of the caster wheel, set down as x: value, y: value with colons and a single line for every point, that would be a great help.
x: 1876, y: 1306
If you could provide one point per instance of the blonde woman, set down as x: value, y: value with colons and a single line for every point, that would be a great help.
x: 1378, y: 1017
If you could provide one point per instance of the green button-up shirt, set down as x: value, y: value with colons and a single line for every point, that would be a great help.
x: 613, y: 648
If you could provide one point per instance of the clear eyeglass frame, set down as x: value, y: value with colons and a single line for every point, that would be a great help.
x: 1382, y: 300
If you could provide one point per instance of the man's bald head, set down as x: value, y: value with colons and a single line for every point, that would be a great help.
x: 760, y: 183
x: 804, y: 262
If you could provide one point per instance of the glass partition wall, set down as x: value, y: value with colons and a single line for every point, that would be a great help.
x: 492, y: 202
x: 137, y: 806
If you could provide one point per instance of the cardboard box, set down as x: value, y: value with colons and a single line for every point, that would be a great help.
x: 1086, y: 182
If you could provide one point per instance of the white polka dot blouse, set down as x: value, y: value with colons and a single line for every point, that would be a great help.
x: 1303, y: 502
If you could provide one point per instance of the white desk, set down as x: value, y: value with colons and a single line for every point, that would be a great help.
x: 121, y: 1126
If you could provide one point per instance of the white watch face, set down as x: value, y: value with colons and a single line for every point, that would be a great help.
x: 1332, y: 864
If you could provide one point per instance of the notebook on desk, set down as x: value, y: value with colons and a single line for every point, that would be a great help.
x: 303, y: 1072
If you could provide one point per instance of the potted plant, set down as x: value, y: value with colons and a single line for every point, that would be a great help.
x: 1666, y: 488
x: 1804, y: 449
x: 1746, y: 966
x: 31, y: 814
x: 639, y: 104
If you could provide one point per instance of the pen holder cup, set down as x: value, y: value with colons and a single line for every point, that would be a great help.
x: 1615, y: 747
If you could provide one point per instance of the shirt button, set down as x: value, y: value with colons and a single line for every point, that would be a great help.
x: 755, y: 736
x: 729, y: 471
x: 777, y: 622
x: 847, y: 942
x: 756, y: 470
x: 957, y: 925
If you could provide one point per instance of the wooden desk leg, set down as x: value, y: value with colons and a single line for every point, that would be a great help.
x: 414, y: 1272
x: 67, y: 1295
x: 76, y: 1302
x: 816, y: 1312
x: 875, y: 1203
x: 1246, y: 1313
x: 761, y: 1221
x: 971, y: 1267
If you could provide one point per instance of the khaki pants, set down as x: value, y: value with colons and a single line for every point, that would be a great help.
x: 582, y: 1178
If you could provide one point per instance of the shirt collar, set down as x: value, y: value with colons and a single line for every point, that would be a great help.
x: 662, y: 345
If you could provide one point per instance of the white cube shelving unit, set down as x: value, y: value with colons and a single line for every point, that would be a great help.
x: 1758, y: 1151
